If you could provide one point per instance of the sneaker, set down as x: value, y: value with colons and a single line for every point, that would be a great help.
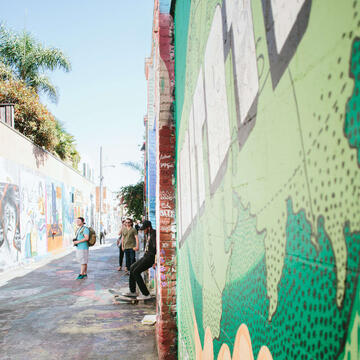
x: 80, y: 277
x: 84, y: 276
x: 143, y: 297
x: 130, y: 294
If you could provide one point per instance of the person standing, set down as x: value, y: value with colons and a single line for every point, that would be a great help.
x: 146, y: 262
x: 82, y: 246
x: 130, y: 243
x: 119, y: 244
x: 102, y: 234
x: 137, y: 226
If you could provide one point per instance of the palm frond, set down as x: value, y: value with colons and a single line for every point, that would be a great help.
x: 42, y: 83
x: 29, y: 60
x: 134, y: 166
x: 6, y: 72
x: 52, y: 58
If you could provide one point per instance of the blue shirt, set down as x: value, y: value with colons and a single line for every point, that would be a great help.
x: 80, y: 236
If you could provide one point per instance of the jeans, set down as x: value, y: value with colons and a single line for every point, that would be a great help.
x: 121, y: 255
x: 102, y: 238
x: 136, y: 269
x: 129, y: 257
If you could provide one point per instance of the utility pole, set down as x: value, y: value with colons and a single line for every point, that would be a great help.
x: 100, y: 188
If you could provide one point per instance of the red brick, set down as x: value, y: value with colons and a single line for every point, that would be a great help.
x: 165, y: 221
x: 165, y: 131
x: 166, y: 237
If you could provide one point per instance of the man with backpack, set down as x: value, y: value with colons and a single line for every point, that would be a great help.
x: 82, y: 246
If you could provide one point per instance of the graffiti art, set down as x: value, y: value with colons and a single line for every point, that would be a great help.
x: 268, y: 171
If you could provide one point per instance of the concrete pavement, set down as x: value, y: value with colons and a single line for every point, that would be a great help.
x: 47, y: 314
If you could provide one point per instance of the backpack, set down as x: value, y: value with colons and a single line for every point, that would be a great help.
x: 92, y: 236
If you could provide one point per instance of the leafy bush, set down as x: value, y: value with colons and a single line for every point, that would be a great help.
x: 36, y: 122
x: 132, y: 196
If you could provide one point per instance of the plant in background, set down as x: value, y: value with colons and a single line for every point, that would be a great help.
x: 132, y: 196
x: 23, y: 62
x: 66, y: 146
x: 5, y: 72
x: 29, y: 59
x: 32, y: 118
x: 36, y: 122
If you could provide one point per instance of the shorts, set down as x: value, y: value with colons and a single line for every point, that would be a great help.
x: 82, y: 256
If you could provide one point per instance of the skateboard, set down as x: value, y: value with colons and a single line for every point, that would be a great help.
x: 132, y: 300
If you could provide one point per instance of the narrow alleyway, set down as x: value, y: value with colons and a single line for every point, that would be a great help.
x: 47, y: 314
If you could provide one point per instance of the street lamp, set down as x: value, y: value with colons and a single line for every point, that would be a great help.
x: 100, y: 187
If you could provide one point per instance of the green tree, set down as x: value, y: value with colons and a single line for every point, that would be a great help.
x: 29, y: 59
x: 36, y: 122
x: 132, y: 196
x: 32, y: 118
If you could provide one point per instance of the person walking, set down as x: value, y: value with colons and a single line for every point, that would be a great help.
x: 146, y: 262
x: 82, y: 246
x: 130, y: 243
x: 119, y: 244
x: 102, y: 234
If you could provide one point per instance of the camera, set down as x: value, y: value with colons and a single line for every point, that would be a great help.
x: 75, y: 240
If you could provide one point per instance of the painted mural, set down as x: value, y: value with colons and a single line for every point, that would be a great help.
x: 10, y: 242
x: 268, y: 174
x: 33, y: 215
x: 36, y: 214
x: 68, y: 215
x: 151, y: 144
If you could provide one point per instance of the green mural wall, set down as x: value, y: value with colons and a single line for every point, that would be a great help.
x: 268, y: 179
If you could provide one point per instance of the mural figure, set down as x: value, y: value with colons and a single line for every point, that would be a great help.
x: 33, y: 215
x: 54, y: 211
x: 10, y: 241
x: 68, y: 215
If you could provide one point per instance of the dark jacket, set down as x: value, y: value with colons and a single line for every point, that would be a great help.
x: 150, y: 249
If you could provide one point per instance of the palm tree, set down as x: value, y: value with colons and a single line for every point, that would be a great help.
x: 136, y: 166
x: 29, y: 59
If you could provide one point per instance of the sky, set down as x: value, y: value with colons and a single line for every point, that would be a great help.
x: 103, y: 99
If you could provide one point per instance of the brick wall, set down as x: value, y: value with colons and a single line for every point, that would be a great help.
x: 165, y: 138
x: 160, y: 108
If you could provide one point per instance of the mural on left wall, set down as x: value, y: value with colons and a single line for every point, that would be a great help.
x: 36, y: 214
x: 32, y: 215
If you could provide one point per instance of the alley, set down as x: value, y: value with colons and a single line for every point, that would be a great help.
x: 47, y: 314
